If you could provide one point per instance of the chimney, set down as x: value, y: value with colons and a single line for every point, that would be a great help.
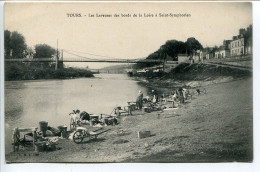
x: 241, y: 31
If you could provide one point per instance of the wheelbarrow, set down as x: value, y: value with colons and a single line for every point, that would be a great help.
x: 82, y: 133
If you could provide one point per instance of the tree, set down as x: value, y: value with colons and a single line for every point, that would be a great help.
x: 7, y: 37
x: 29, y: 52
x: 172, y: 48
x: 44, y: 51
x: 192, y: 45
x: 14, y: 44
x: 163, y: 51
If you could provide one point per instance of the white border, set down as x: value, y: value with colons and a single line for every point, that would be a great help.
x: 137, y: 166
x: 256, y: 82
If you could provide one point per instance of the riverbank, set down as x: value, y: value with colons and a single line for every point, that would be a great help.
x: 212, y: 127
x: 190, y: 76
x: 21, y: 71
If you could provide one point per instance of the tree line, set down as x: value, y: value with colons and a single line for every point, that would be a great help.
x: 171, y: 49
x: 16, y: 47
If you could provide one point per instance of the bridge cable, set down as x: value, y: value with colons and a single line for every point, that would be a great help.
x: 113, y: 58
x: 91, y: 54
x: 77, y: 55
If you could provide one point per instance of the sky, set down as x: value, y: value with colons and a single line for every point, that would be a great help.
x: 124, y: 37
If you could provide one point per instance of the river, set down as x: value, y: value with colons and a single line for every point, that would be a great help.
x: 28, y: 102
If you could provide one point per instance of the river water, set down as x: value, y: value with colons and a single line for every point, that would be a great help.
x: 28, y: 102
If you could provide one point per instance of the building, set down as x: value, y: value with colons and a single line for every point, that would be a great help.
x: 224, y: 50
x: 217, y: 54
x: 209, y: 52
x: 249, y: 40
x: 202, y: 54
x: 210, y: 55
x: 224, y: 53
x: 183, y: 58
x: 196, y: 57
x: 238, y: 45
x: 242, y: 43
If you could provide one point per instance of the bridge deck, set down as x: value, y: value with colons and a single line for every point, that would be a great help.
x: 87, y: 60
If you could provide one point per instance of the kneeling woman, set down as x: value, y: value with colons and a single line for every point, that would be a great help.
x: 84, y: 116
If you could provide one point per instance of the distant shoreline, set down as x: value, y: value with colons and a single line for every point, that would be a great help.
x: 21, y: 71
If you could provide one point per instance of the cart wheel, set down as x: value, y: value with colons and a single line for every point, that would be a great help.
x: 78, y: 137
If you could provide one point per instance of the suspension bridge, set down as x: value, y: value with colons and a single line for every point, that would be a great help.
x: 75, y: 56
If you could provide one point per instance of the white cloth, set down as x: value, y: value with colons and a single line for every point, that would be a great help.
x: 154, y: 99
x: 74, y: 117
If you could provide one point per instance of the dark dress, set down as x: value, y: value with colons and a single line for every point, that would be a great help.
x: 139, y: 101
x: 181, y: 98
x: 84, y: 116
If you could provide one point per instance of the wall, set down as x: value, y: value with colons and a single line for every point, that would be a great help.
x: 209, y: 56
x: 224, y: 53
x: 183, y: 59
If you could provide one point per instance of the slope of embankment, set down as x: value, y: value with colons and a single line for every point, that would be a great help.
x: 198, y: 72
x: 192, y: 75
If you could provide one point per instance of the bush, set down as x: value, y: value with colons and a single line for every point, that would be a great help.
x: 26, y: 71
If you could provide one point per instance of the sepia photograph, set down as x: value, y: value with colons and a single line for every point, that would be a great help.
x: 128, y: 82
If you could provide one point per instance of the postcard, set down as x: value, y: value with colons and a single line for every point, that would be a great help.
x: 128, y: 82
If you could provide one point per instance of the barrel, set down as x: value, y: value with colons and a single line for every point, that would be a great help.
x: 63, y: 134
x: 63, y: 130
x: 43, y: 127
x: 106, y: 121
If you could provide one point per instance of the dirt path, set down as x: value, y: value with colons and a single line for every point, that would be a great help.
x: 212, y: 127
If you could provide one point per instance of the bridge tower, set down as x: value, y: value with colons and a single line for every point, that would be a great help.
x: 57, y: 58
x: 60, y: 61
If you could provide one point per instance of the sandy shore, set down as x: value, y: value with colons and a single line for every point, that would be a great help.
x: 212, y: 127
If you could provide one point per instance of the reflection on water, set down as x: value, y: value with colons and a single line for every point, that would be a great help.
x: 28, y: 102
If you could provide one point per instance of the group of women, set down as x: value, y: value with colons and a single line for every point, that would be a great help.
x: 140, y: 99
x: 178, y: 95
